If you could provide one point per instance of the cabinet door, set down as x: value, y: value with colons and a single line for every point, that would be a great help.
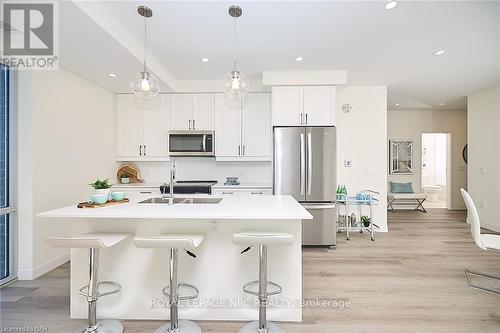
x: 180, y: 112
x: 287, y: 106
x: 203, y: 112
x: 319, y: 106
x: 156, y: 127
x: 227, y: 126
x: 256, y: 125
x: 129, y: 125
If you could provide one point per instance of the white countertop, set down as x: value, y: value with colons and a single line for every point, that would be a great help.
x: 136, y: 185
x: 266, y: 207
x: 243, y: 186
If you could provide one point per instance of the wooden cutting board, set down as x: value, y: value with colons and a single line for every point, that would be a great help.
x: 132, y: 170
x: 109, y: 203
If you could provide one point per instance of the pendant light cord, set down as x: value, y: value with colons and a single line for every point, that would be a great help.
x: 234, y: 45
x: 145, y: 42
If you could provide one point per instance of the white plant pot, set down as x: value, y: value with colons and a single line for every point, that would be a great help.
x: 104, y: 191
x: 125, y: 180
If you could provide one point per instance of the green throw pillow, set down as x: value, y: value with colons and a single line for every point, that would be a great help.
x: 401, y: 188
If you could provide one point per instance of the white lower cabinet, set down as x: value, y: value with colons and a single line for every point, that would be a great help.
x: 239, y: 191
x: 243, y: 128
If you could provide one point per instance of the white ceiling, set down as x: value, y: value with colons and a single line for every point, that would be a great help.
x: 375, y: 46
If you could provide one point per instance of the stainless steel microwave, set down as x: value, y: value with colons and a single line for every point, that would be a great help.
x: 191, y: 143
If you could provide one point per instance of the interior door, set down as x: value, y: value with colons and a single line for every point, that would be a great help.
x: 321, y: 164
x: 180, y: 112
x: 290, y: 161
x: 203, y: 112
x: 227, y: 126
x: 156, y: 127
x: 256, y: 127
x: 130, y: 125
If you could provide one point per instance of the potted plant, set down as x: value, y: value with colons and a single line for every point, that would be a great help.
x: 125, y: 178
x: 366, y: 220
x: 101, y: 186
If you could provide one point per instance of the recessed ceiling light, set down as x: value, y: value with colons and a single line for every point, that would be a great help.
x: 397, y: 104
x: 204, y: 59
x: 391, y: 4
x: 440, y: 52
x: 298, y: 59
x: 112, y: 75
x: 442, y: 104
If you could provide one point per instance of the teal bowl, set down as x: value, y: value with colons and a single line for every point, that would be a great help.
x: 99, y: 199
x: 118, y: 196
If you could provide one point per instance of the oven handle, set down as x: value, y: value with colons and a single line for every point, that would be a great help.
x: 204, y: 143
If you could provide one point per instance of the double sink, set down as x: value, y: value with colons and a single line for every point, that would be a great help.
x: 182, y: 201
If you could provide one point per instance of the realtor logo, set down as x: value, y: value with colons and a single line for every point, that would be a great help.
x: 29, y: 38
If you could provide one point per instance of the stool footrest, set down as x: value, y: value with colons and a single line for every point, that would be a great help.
x: 194, y: 291
x: 84, y: 291
x: 271, y: 289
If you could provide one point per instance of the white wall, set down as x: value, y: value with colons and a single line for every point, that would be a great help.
x: 411, y: 125
x: 69, y: 144
x: 362, y: 137
x: 483, y: 117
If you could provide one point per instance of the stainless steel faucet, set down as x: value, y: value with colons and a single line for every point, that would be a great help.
x: 163, y: 188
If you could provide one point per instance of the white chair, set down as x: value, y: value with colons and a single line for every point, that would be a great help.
x: 484, y: 241
x: 262, y: 240
x: 175, y: 242
x: 94, y: 242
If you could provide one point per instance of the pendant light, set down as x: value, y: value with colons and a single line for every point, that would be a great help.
x: 235, y: 83
x: 145, y: 84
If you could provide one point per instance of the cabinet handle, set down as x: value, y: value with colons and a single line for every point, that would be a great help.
x: 194, y: 123
x: 140, y: 150
x: 146, y: 192
x: 227, y: 193
x: 239, y: 150
x: 144, y: 150
x: 301, y: 119
x: 243, y: 150
x: 257, y: 193
x: 306, y: 118
x: 189, y: 123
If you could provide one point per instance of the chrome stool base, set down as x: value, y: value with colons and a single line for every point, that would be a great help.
x: 185, y: 326
x: 253, y: 327
x: 105, y: 326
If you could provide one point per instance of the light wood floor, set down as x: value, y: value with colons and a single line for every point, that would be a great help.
x: 409, y: 280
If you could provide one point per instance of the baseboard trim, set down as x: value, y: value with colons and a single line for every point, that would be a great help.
x: 31, y: 274
x: 491, y: 227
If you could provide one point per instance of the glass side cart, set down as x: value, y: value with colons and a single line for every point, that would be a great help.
x: 350, y: 210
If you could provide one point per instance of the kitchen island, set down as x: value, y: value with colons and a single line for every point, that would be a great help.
x: 219, y: 271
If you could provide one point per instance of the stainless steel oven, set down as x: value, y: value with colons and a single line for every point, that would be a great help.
x: 191, y: 143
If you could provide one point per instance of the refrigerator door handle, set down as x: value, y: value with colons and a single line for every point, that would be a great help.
x: 302, y: 163
x: 309, y: 163
x: 318, y: 205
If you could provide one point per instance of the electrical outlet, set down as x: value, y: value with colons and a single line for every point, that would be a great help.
x: 482, y: 205
x: 348, y: 163
x: 213, y: 225
x: 482, y: 170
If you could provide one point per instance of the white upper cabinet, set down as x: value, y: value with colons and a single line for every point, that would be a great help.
x: 243, y: 128
x: 192, y: 112
x: 142, y: 128
x: 256, y: 125
x: 287, y: 106
x: 227, y: 126
x: 303, y: 106
x: 319, y: 106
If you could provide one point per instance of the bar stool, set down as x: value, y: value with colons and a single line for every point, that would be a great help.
x: 175, y: 242
x: 265, y: 288
x: 94, y: 242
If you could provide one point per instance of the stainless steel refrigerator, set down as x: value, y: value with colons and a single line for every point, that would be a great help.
x: 305, y: 167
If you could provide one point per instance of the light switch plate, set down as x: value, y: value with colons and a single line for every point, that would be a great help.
x: 348, y: 163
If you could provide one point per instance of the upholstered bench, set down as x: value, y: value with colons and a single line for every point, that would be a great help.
x: 406, y: 199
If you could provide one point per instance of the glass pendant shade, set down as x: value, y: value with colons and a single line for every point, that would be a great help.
x: 235, y: 84
x: 145, y: 85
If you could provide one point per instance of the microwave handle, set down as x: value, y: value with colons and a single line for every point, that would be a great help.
x: 204, y: 142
